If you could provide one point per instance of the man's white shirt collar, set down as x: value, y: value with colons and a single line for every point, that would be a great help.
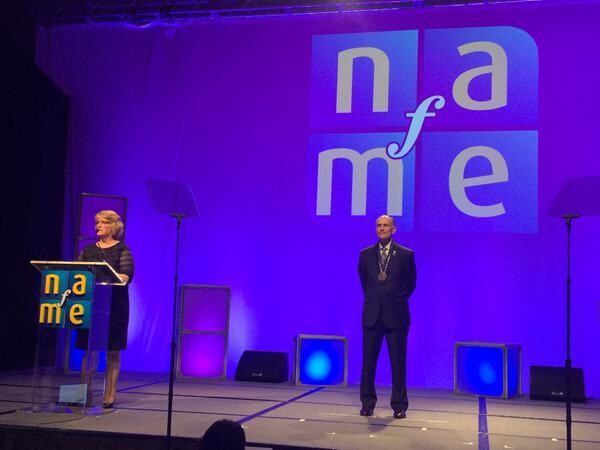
x: 388, y: 246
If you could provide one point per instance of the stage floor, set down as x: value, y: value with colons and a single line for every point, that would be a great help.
x: 315, y: 417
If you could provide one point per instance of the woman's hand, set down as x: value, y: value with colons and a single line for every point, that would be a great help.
x: 124, y: 277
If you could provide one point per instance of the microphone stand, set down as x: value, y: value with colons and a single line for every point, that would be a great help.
x: 178, y: 217
x: 568, y: 219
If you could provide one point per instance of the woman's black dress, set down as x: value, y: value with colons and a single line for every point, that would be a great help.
x: 120, y: 258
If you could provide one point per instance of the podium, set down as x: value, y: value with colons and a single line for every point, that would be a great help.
x: 73, y: 295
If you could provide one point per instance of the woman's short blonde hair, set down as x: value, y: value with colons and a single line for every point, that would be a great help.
x: 115, y: 220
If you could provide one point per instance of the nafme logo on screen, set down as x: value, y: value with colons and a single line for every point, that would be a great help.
x: 450, y: 130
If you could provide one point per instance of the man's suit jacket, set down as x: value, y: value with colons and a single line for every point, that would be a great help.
x: 388, y: 298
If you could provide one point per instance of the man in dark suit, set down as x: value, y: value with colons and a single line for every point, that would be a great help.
x: 388, y: 278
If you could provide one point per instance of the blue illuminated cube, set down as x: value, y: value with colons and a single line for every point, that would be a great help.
x: 486, y: 369
x: 321, y: 360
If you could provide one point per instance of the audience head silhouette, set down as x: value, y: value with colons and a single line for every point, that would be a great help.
x: 224, y: 434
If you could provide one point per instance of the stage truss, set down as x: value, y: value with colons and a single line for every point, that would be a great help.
x: 140, y: 12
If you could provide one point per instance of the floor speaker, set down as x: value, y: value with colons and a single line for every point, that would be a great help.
x: 271, y: 367
x: 549, y: 383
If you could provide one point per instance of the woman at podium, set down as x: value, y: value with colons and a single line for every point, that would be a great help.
x: 109, y: 230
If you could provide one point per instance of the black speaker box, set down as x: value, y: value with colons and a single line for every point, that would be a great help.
x: 549, y: 383
x: 270, y: 367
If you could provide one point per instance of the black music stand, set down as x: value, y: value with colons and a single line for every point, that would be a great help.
x: 176, y: 200
x: 577, y: 197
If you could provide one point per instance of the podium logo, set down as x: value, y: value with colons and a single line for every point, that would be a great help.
x: 464, y: 110
x: 66, y: 298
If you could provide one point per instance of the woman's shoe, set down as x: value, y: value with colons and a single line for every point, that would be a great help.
x: 108, y: 405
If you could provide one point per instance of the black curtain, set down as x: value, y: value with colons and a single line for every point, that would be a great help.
x: 33, y: 143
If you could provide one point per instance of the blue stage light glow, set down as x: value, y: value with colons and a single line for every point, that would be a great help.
x: 321, y: 361
x: 480, y: 370
x: 318, y: 365
x: 487, y: 373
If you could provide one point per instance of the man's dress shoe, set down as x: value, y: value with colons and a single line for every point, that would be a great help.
x: 366, y: 411
x: 399, y: 414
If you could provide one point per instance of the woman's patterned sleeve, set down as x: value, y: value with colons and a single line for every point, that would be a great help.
x: 126, y: 263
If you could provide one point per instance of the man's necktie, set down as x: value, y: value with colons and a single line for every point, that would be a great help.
x: 384, y: 255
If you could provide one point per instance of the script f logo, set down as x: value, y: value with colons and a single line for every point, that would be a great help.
x: 393, y: 149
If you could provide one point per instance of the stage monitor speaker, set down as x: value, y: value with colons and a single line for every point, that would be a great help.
x: 270, y: 367
x: 549, y: 383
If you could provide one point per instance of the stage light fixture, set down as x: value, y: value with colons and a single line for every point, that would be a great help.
x: 321, y: 360
x: 487, y: 369
x: 203, y: 331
